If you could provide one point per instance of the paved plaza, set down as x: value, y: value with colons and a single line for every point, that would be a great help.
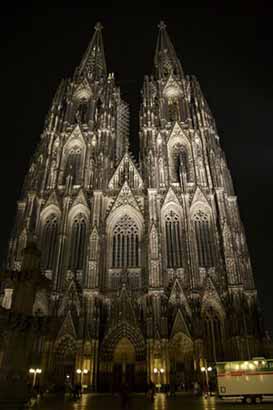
x: 139, y: 402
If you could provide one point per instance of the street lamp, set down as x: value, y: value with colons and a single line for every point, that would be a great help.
x: 159, y: 372
x: 81, y: 372
x: 34, y: 372
x: 206, y: 370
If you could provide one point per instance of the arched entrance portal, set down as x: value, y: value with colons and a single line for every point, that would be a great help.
x: 123, y: 357
x: 124, y: 364
x: 65, y: 355
x: 181, y: 361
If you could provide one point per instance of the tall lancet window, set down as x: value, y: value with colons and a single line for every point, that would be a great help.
x: 213, y: 333
x: 81, y: 113
x: 49, y: 242
x: 173, y: 109
x: 180, y: 161
x: 126, y: 240
x: 78, y: 242
x: 204, y: 239
x: 173, y: 240
x: 73, y: 165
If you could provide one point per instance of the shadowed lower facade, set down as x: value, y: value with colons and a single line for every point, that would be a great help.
x: 147, y: 267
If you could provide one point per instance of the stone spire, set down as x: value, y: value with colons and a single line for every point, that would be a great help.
x: 93, y: 63
x: 166, y: 60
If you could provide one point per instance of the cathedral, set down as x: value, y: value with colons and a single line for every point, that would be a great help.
x: 146, y: 271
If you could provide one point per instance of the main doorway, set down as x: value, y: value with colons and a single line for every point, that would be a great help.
x: 64, y: 361
x: 124, y: 359
x: 181, y: 362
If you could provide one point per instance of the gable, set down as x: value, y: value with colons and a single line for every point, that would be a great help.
x: 171, y: 197
x: 52, y: 200
x: 126, y: 171
x: 76, y: 138
x: 125, y: 197
x: 71, y: 297
x: 83, y: 91
x: 180, y: 325
x: 199, y: 197
x: 172, y: 89
x: 68, y: 327
x: 211, y: 297
x: 177, y: 135
x: 177, y: 295
x: 80, y: 199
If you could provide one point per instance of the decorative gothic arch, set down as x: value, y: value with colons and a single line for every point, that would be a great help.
x: 181, y: 358
x: 50, y: 219
x: 213, y: 327
x: 124, y: 330
x: 124, y: 350
x: 180, y: 343
x: 40, y: 307
x: 78, y: 234
x: 65, y: 343
x: 124, y: 233
x: 65, y: 349
x: 125, y: 243
x: 202, y: 226
x: 73, y: 158
x: 172, y: 229
x: 76, y: 209
x: 180, y: 157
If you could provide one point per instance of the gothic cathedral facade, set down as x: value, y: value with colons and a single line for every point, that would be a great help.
x: 148, y: 263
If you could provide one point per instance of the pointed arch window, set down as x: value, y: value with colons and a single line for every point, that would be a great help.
x: 204, y: 239
x: 181, y: 165
x: 126, y: 240
x: 73, y: 165
x: 173, y: 240
x: 78, y: 242
x: 173, y: 109
x: 49, y: 242
x: 213, y: 332
x: 81, y: 113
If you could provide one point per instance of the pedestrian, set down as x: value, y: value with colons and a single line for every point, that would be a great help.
x: 151, y: 391
x: 205, y: 391
x: 196, y: 389
x: 124, y: 395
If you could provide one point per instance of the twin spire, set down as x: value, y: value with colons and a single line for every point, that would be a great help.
x: 93, y: 64
x: 166, y: 61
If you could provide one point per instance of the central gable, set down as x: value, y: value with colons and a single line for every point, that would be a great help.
x: 125, y: 197
x: 126, y: 171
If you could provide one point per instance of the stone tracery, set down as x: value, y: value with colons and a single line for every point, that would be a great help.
x: 134, y: 249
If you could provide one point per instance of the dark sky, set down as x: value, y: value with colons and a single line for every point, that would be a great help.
x: 230, y: 52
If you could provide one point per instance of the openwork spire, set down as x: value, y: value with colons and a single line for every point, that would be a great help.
x: 93, y: 63
x: 166, y: 61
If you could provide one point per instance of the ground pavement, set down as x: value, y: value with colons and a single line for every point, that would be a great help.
x: 140, y: 402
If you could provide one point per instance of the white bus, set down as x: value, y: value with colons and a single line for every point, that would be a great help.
x: 251, y: 380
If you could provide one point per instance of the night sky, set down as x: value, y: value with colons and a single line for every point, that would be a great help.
x: 230, y: 52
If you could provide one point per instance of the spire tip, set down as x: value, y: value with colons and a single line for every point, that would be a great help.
x: 162, y: 25
x: 98, y: 26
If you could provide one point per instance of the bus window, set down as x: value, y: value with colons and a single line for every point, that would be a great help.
x: 270, y: 364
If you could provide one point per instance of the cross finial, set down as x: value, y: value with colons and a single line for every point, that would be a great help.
x: 98, y: 26
x: 162, y: 25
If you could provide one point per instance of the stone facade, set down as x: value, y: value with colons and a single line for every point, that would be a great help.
x: 148, y: 263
